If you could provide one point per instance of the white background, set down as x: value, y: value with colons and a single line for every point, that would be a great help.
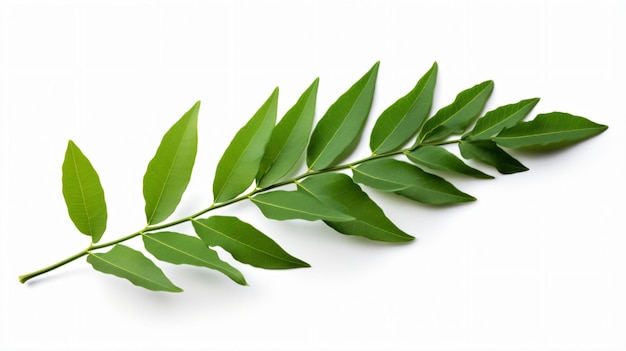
x: 537, y: 263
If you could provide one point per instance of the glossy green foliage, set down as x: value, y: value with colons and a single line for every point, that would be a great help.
x: 502, y: 117
x: 245, y: 243
x: 240, y: 162
x: 338, y: 130
x: 410, y: 181
x: 83, y: 193
x: 283, y: 205
x: 549, y: 129
x: 454, y: 118
x: 268, y: 153
x: 438, y: 158
x: 124, y: 262
x: 184, y: 249
x: 488, y: 152
x: 339, y: 192
x: 400, y: 121
x: 289, y: 139
x: 169, y: 171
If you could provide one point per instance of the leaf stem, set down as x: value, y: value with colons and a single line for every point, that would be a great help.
x: 24, y: 278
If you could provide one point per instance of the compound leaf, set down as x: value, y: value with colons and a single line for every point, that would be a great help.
x: 454, y: 118
x: 549, y: 128
x: 83, y: 193
x: 284, y: 205
x: 245, y: 243
x: 418, y: 185
x: 400, y: 121
x: 169, y: 171
x: 488, y: 152
x: 289, y: 139
x: 124, y: 262
x: 240, y: 162
x: 502, y: 117
x: 338, y: 191
x: 184, y: 249
x: 338, y: 130
x: 438, y: 158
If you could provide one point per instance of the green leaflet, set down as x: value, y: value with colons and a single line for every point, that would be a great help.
x: 338, y: 191
x: 245, y: 243
x: 400, y: 121
x: 438, y: 158
x: 269, y: 153
x: 240, y: 163
x: 289, y: 139
x: 184, y: 249
x: 169, y: 171
x: 502, y: 117
x: 549, y: 128
x: 284, y: 205
x: 124, y: 262
x: 83, y: 193
x: 454, y: 118
x: 488, y: 152
x: 338, y: 130
x: 418, y: 185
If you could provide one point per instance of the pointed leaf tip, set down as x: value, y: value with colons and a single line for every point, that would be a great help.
x: 554, y: 128
x: 289, y: 139
x: 83, y: 193
x: 337, y: 132
x: 400, y: 121
x: 179, y: 248
x: 245, y: 243
x: 169, y: 171
x: 130, y: 264
x: 241, y: 160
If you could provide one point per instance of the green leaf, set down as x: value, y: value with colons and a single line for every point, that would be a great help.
x: 124, y: 262
x: 438, y: 158
x: 83, y: 193
x: 502, y: 117
x: 336, y: 190
x: 337, y: 131
x: 284, y: 205
x: 289, y: 139
x: 240, y: 163
x: 184, y: 249
x: 400, y: 121
x: 488, y: 152
x: 418, y: 185
x: 454, y: 118
x: 547, y: 129
x: 170, y: 169
x: 245, y: 243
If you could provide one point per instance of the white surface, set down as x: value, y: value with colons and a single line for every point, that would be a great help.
x: 537, y: 263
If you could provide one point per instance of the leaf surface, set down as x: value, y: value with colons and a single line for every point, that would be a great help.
x: 488, y: 152
x: 549, y: 128
x: 83, y: 193
x: 169, y: 171
x: 338, y: 191
x: 418, y: 185
x: 184, y: 249
x: 502, y: 117
x: 438, y: 158
x: 454, y: 118
x: 400, y: 121
x: 240, y: 162
x: 245, y: 243
x: 339, y: 128
x: 124, y: 262
x: 284, y: 205
x: 289, y: 139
